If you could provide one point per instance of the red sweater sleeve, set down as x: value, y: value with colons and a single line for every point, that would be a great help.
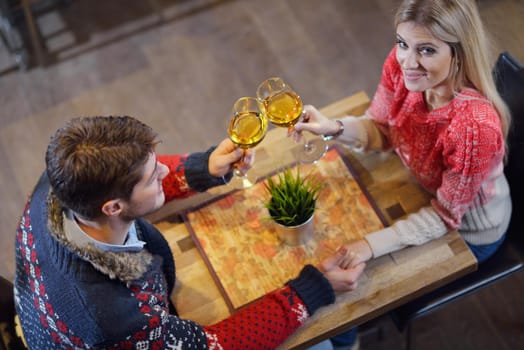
x: 261, y: 325
x: 175, y: 183
x: 267, y: 322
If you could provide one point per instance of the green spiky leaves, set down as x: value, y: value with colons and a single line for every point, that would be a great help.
x: 292, y: 198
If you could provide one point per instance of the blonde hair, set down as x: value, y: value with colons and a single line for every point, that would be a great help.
x: 458, y: 23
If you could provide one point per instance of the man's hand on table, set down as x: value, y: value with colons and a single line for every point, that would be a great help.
x: 341, y: 279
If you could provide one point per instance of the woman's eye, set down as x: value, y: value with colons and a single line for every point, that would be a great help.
x: 402, y: 44
x: 427, y: 51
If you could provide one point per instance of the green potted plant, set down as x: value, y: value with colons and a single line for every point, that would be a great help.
x: 292, y: 203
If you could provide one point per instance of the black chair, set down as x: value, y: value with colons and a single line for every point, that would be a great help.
x: 509, y: 77
x: 9, y: 340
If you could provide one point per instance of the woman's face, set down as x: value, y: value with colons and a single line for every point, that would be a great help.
x: 424, y: 59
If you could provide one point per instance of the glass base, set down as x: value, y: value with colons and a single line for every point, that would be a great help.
x: 242, y: 181
x: 312, y: 150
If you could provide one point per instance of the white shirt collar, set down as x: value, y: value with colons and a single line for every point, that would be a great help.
x: 75, y: 234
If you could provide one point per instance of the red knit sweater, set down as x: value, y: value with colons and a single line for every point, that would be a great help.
x: 454, y: 151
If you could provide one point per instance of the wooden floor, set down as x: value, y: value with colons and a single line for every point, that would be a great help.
x: 180, y: 65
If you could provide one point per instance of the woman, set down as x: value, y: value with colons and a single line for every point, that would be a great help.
x: 438, y: 108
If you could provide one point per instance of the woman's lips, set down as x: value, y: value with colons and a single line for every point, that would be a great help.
x: 413, y: 76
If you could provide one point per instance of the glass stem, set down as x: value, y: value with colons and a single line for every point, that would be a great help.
x: 237, y: 171
x: 305, y: 141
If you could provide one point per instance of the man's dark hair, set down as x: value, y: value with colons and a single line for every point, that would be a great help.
x: 95, y: 159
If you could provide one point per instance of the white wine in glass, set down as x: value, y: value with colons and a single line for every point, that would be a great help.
x: 246, y: 128
x: 283, y: 107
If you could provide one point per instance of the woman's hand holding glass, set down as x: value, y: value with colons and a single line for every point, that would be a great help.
x: 283, y: 107
x: 316, y: 123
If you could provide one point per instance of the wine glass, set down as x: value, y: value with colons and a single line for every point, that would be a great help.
x: 246, y: 128
x: 283, y: 107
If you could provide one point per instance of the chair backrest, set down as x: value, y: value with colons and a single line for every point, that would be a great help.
x: 9, y: 340
x: 509, y: 77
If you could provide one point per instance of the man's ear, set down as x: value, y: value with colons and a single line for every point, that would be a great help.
x: 112, y: 207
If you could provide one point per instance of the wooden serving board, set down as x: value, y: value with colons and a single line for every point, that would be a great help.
x: 239, y: 244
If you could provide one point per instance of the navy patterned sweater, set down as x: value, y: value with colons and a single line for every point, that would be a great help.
x: 69, y: 297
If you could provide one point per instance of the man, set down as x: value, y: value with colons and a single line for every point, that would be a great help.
x: 92, y: 274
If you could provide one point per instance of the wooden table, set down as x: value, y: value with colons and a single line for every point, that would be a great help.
x: 388, y: 281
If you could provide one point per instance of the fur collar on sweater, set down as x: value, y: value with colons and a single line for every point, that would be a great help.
x: 125, y: 266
